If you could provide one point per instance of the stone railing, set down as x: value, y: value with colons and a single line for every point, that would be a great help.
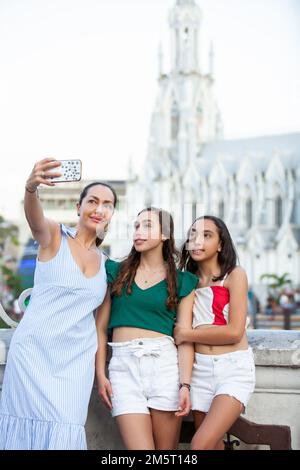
x: 276, y: 399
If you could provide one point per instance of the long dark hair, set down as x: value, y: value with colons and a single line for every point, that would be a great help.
x: 170, y: 255
x: 84, y: 192
x: 227, y: 257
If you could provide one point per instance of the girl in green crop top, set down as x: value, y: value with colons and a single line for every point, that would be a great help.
x: 149, y: 379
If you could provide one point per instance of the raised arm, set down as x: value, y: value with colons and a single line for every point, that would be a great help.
x: 43, y: 230
x: 102, y: 319
x: 185, y: 353
x: 231, y: 333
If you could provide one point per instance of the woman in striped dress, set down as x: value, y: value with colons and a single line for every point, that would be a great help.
x: 51, y: 361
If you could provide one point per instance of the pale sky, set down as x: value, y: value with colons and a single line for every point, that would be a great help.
x: 78, y: 78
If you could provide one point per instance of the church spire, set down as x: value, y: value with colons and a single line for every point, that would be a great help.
x: 184, y: 21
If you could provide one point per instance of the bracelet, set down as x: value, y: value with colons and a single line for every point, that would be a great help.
x: 31, y: 192
x: 185, y: 385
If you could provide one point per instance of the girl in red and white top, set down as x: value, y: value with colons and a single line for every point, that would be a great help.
x: 224, y: 370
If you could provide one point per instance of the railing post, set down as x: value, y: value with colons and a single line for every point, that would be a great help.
x: 255, y: 318
x: 287, y: 318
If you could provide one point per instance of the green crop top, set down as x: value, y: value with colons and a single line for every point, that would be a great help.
x: 146, y: 308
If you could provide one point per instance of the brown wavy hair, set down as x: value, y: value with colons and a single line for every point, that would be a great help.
x: 170, y: 255
x: 227, y: 257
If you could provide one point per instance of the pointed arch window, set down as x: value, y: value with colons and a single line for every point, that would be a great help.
x: 221, y: 210
x: 194, y: 211
x: 174, y: 120
x: 199, y: 110
x: 186, y: 34
x: 278, y: 211
x: 294, y: 213
x: 148, y: 199
x: 249, y: 213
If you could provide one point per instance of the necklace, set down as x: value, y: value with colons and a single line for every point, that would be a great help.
x: 150, y: 273
x: 152, y: 270
x: 94, y: 249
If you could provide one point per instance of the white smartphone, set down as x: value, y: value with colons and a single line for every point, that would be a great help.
x: 70, y: 170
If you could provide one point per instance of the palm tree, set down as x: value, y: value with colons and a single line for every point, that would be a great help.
x: 277, y: 283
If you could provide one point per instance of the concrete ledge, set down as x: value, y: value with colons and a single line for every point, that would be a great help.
x: 279, y: 348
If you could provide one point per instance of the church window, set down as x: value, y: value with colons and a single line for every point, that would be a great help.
x: 294, y: 213
x: 174, y: 120
x: 199, y: 110
x: 148, y: 201
x: 186, y: 34
x: 221, y: 209
x: 278, y: 211
x: 249, y: 213
x: 194, y: 211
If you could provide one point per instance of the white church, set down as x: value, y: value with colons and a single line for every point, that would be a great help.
x: 190, y: 169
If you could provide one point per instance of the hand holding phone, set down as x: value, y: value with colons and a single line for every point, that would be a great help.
x: 41, y: 172
x: 70, y: 171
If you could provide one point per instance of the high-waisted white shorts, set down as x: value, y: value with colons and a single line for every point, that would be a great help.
x: 225, y: 374
x: 144, y: 374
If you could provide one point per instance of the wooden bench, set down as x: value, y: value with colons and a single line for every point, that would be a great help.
x: 276, y: 436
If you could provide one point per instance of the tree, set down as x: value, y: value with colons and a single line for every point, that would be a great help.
x: 277, y: 283
x: 12, y: 280
x: 8, y: 278
x: 8, y: 232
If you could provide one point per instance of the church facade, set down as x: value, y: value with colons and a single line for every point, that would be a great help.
x: 191, y: 170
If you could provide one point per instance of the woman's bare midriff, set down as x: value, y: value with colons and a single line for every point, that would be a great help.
x: 222, y: 349
x: 127, y: 333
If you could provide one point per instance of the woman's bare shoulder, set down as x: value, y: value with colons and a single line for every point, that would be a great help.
x: 238, y: 274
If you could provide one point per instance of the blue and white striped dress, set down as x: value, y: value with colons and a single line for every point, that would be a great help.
x: 51, y: 361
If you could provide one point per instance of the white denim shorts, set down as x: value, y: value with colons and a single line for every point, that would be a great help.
x: 144, y: 374
x: 225, y: 374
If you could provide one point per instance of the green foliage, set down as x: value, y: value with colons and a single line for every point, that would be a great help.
x: 8, y: 230
x: 8, y: 235
x: 12, y: 280
x: 276, y: 283
x: 3, y: 324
